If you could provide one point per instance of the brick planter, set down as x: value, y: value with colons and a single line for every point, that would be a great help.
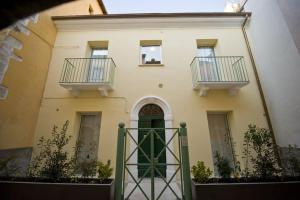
x: 246, y: 191
x: 10, y: 190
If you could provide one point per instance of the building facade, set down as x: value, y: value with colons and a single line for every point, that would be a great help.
x: 152, y: 70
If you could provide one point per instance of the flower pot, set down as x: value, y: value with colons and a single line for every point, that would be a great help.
x: 11, y: 190
x: 246, y: 191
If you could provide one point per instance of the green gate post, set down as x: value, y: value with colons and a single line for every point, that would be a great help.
x: 152, y: 165
x: 187, y: 190
x: 120, y: 162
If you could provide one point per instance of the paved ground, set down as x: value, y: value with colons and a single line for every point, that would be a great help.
x: 146, y: 186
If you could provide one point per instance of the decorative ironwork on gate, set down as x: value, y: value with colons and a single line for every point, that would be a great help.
x: 129, y: 182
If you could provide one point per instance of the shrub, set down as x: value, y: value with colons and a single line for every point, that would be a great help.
x: 237, y: 170
x: 259, y: 150
x: 53, y: 161
x: 223, y: 166
x: 86, y: 169
x: 104, y: 171
x: 201, y: 173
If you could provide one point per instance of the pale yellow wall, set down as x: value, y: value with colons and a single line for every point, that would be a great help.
x: 133, y: 82
x: 79, y: 7
x: 25, y: 81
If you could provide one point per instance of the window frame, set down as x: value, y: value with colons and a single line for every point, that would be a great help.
x: 160, y: 54
x: 206, y: 47
x: 79, y: 115
x: 228, y: 136
x: 102, y: 56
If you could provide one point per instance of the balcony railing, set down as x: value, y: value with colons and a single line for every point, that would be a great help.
x: 222, y: 72
x: 88, y: 73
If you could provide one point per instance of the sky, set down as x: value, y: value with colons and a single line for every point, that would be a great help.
x: 163, y: 6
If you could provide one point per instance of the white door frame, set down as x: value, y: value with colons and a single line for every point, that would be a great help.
x: 168, y: 117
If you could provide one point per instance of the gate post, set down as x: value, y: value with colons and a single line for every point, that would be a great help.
x: 120, y: 162
x: 187, y: 190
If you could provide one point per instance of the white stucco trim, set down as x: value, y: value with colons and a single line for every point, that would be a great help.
x: 154, y: 100
x: 168, y: 116
x: 148, y: 23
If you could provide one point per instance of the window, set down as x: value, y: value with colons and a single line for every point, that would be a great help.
x: 206, y: 51
x: 99, y: 53
x: 97, y: 65
x: 220, y: 137
x: 88, y: 137
x: 150, y: 52
x: 208, y: 64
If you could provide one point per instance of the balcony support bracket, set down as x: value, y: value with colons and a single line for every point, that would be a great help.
x: 75, y: 92
x: 203, y: 91
x: 233, y: 91
x: 103, y: 92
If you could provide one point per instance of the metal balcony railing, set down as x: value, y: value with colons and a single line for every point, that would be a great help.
x: 221, y: 69
x: 88, y: 71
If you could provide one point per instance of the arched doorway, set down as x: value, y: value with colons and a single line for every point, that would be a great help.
x: 151, y: 118
x: 168, y: 123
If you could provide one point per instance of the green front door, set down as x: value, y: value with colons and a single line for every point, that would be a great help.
x: 151, y: 120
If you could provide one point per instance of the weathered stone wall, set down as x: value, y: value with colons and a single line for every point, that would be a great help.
x: 19, y: 159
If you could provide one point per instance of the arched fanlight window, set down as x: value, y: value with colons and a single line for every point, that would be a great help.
x: 151, y: 110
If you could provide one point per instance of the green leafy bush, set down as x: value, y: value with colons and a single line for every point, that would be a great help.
x: 86, y: 169
x: 53, y: 161
x: 201, y: 173
x: 223, y: 166
x: 259, y: 151
x: 237, y: 170
x: 104, y: 170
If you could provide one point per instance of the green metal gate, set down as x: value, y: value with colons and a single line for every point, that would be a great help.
x: 127, y: 179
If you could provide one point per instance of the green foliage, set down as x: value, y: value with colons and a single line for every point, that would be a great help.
x: 293, y: 164
x: 53, y: 161
x: 237, y: 170
x: 104, y: 170
x: 86, y: 169
x: 223, y: 166
x: 259, y: 150
x: 236, y: 163
x: 201, y: 173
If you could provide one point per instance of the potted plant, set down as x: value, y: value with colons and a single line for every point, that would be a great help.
x: 262, y: 177
x: 55, y: 174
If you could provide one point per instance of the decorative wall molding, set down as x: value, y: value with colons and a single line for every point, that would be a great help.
x: 148, y: 23
x: 7, y: 45
x: 151, y: 100
x: 3, y: 92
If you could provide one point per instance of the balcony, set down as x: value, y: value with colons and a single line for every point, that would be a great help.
x: 81, y: 74
x: 222, y: 72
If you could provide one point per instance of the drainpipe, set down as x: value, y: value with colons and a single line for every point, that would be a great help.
x: 261, y: 92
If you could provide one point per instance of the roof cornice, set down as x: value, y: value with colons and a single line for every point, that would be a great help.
x: 150, y: 21
x: 153, y: 15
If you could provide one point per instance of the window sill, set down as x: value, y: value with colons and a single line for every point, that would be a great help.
x: 151, y: 65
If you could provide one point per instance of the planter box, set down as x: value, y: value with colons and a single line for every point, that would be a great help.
x: 10, y: 190
x: 246, y: 191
